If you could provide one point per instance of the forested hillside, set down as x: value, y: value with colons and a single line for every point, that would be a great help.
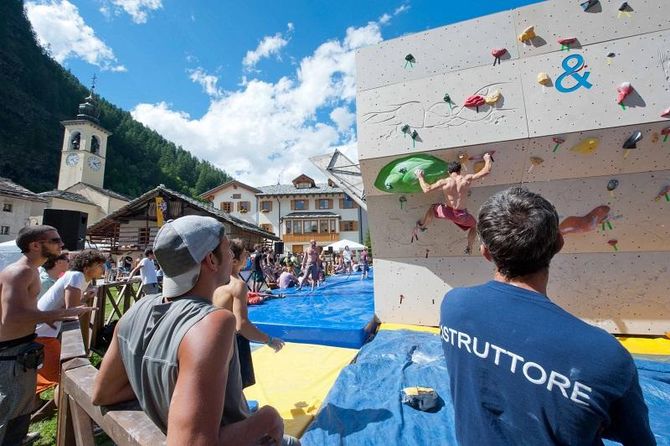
x: 36, y: 93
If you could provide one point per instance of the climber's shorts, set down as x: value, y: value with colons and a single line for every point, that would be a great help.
x: 461, y: 217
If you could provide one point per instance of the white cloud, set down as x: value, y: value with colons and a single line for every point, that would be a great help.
x: 61, y: 29
x: 137, y: 9
x: 268, y: 46
x: 208, y: 82
x: 263, y: 130
x: 402, y: 8
x: 385, y: 18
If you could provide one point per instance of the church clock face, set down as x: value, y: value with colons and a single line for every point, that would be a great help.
x: 94, y: 163
x: 72, y: 159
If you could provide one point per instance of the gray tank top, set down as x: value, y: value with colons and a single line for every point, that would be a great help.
x: 149, y: 335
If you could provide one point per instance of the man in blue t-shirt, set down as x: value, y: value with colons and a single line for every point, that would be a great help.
x: 523, y: 371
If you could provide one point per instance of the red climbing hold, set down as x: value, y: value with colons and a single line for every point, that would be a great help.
x: 498, y: 52
x: 623, y: 90
x: 666, y: 113
x: 567, y: 40
x: 474, y: 101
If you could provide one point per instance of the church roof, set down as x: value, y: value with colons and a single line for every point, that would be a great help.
x: 103, y: 191
x: 290, y: 189
x: 64, y: 195
x: 8, y: 188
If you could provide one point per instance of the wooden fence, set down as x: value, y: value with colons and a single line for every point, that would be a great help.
x: 126, y: 425
x: 126, y: 296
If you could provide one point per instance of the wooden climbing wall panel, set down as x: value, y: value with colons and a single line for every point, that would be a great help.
x: 567, y: 146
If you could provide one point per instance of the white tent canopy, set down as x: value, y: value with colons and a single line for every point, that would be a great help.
x: 339, y: 245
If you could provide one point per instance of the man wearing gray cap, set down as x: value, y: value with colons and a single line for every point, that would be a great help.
x: 176, y: 353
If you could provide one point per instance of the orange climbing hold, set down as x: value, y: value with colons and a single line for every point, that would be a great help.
x: 527, y: 35
x: 586, y: 223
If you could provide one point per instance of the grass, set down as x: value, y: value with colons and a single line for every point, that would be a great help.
x: 48, y: 428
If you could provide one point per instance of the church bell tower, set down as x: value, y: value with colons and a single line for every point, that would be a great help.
x: 84, y: 147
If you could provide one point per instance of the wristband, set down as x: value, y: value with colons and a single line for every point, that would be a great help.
x: 269, y: 340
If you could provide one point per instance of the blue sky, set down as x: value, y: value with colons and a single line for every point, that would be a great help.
x: 255, y: 87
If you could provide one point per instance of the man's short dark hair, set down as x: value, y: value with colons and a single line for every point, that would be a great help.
x: 237, y: 246
x: 29, y: 234
x: 453, y: 167
x: 86, y: 258
x: 520, y: 230
x: 51, y: 261
x: 148, y: 252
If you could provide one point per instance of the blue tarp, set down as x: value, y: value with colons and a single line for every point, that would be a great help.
x: 339, y: 313
x: 363, y: 407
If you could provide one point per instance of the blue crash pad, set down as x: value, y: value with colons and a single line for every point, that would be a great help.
x: 363, y: 407
x: 339, y: 313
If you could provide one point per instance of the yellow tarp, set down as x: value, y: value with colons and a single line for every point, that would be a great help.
x: 386, y: 326
x: 646, y: 346
x: 296, y: 380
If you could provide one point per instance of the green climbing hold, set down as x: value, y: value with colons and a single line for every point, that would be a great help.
x: 399, y: 176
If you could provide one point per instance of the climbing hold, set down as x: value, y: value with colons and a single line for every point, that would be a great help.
x: 410, y: 60
x: 623, y: 90
x: 611, y: 185
x: 558, y: 142
x: 543, y: 79
x: 654, y: 137
x: 448, y: 100
x: 665, y: 113
x: 414, y: 136
x: 624, y: 9
x: 527, y: 35
x: 586, y: 146
x: 665, y: 192
x: 565, y: 42
x: 399, y: 176
x: 405, y: 129
x: 613, y: 244
x: 475, y: 101
x: 493, y: 97
x: 534, y: 161
x: 631, y: 143
x: 586, y: 223
x: 588, y: 4
x: 497, y: 53
x: 665, y: 132
x: 402, y: 201
x: 427, y: 251
x: 610, y: 56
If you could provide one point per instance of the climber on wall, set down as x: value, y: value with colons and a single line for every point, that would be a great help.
x: 455, y: 188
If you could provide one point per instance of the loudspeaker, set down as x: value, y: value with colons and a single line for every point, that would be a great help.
x: 330, y: 250
x: 71, y: 226
x: 279, y: 248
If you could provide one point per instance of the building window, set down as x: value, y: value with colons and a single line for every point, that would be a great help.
x: 4, y: 230
x: 347, y: 203
x: 243, y: 206
x: 143, y: 236
x: 333, y: 226
x: 75, y: 141
x: 266, y: 206
x: 237, y: 196
x: 303, y: 185
x: 348, y: 225
x: 299, y: 205
x: 297, y: 227
x: 323, y: 226
x: 95, y: 144
x: 288, y: 227
x: 325, y: 203
x: 226, y: 206
x: 311, y: 226
x: 7, y: 207
x: 267, y: 227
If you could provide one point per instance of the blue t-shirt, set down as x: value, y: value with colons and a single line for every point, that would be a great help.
x: 523, y: 371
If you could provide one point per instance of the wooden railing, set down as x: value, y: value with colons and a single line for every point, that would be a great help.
x: 126, y: 296
x: 305, y: 238
x: 126, y: 425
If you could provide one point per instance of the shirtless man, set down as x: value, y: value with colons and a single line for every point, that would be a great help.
x: 233, y: 297
x: 310, y: 265
x: 19, y: 355
x: 455, y: 188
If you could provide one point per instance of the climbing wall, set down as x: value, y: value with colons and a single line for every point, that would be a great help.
x: 551, y: 114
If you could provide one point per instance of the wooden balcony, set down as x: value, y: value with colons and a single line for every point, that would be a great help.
x: 305, y: 238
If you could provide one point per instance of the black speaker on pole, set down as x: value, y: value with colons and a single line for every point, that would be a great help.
x: 71, y: 226
x: 279, y: 248
x: 330, y: 250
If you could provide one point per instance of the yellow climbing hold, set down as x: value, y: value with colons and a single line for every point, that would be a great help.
x: 543, y: 79
x: 493, y: 97
x: 527, y: 34
x: 586, y: 146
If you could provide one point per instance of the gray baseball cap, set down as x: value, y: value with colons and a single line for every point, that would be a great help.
x: 180, y: 246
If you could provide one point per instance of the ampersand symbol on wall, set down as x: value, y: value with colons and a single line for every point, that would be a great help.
x: 573, y: 71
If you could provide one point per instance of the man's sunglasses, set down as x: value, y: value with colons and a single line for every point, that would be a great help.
x: 52, y: 240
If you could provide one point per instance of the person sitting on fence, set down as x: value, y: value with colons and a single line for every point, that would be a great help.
x: 147, y: 272
x: 233, y: 297
x: 185, y: 370
x: 68, y: 291
x: 19, y: 355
